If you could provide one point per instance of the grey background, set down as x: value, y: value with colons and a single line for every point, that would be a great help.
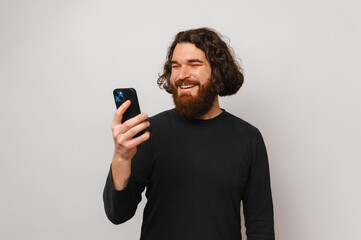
x: 60, y: 61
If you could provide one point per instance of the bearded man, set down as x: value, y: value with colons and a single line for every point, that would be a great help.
x: 197, y: 161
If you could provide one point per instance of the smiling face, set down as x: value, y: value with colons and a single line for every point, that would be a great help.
x: 190, y: 69
x: 190, y: 79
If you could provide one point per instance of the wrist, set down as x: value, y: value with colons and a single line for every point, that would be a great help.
x: 121, y: 170
x: 120, y: 159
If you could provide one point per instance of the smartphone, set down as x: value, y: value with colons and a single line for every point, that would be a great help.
x: 123, y: 94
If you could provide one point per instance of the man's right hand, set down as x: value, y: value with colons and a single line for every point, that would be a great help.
x: 125, y: 146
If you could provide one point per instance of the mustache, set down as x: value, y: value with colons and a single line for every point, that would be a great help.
x: 181, y: 82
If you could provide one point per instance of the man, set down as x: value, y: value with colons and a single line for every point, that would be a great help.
x: 197, y: 161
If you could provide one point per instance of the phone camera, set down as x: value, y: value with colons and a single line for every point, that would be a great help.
x: 119, y: 97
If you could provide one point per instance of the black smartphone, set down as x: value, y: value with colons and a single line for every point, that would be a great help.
x: 123, y: 94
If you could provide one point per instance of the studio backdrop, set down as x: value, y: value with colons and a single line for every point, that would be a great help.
x: 61, y: 60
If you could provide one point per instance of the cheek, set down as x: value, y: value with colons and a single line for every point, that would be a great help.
x: 204, y: 76
x: 172, y: 77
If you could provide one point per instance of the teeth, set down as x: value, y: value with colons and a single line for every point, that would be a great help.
x: 187, y: 86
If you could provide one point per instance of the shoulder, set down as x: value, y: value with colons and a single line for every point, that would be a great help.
x: 246, y: 133
x: 243, y: 129
x: 241, y: 124
x: 162, y: 119
x: 165, y: 115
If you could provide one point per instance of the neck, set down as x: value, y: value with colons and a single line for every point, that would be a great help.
x: 213, y: 112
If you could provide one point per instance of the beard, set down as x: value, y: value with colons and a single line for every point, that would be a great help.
x: 193, y: 107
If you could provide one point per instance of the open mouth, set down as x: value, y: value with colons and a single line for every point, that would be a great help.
x: 187, y: 86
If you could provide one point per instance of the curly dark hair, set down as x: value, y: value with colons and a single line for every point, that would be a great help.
x: 226, y: 77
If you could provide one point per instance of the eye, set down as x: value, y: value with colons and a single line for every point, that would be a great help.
x: 195, y: 65
x: 175, y: 66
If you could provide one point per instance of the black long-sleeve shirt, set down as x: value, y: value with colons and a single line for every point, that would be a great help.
x: 197, y: 173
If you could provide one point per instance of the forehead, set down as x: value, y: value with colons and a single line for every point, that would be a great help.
x: 187, y: 51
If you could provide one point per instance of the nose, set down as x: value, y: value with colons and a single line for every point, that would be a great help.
x: 183, y: 73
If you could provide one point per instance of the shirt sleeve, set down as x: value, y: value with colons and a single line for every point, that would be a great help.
x: 120, y: 206
x: 257, y: 200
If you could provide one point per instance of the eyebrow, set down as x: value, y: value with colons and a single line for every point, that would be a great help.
x: 189, y: 61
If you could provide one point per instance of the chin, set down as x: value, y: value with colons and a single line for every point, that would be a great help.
x: 192, y: 107
x: 188, y: 93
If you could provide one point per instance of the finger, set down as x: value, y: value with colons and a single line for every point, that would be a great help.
x: 138, y: 140
x: 136, y: 129
x: 130, y: 123
x: 118, y: 116
x: 117, y: 131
